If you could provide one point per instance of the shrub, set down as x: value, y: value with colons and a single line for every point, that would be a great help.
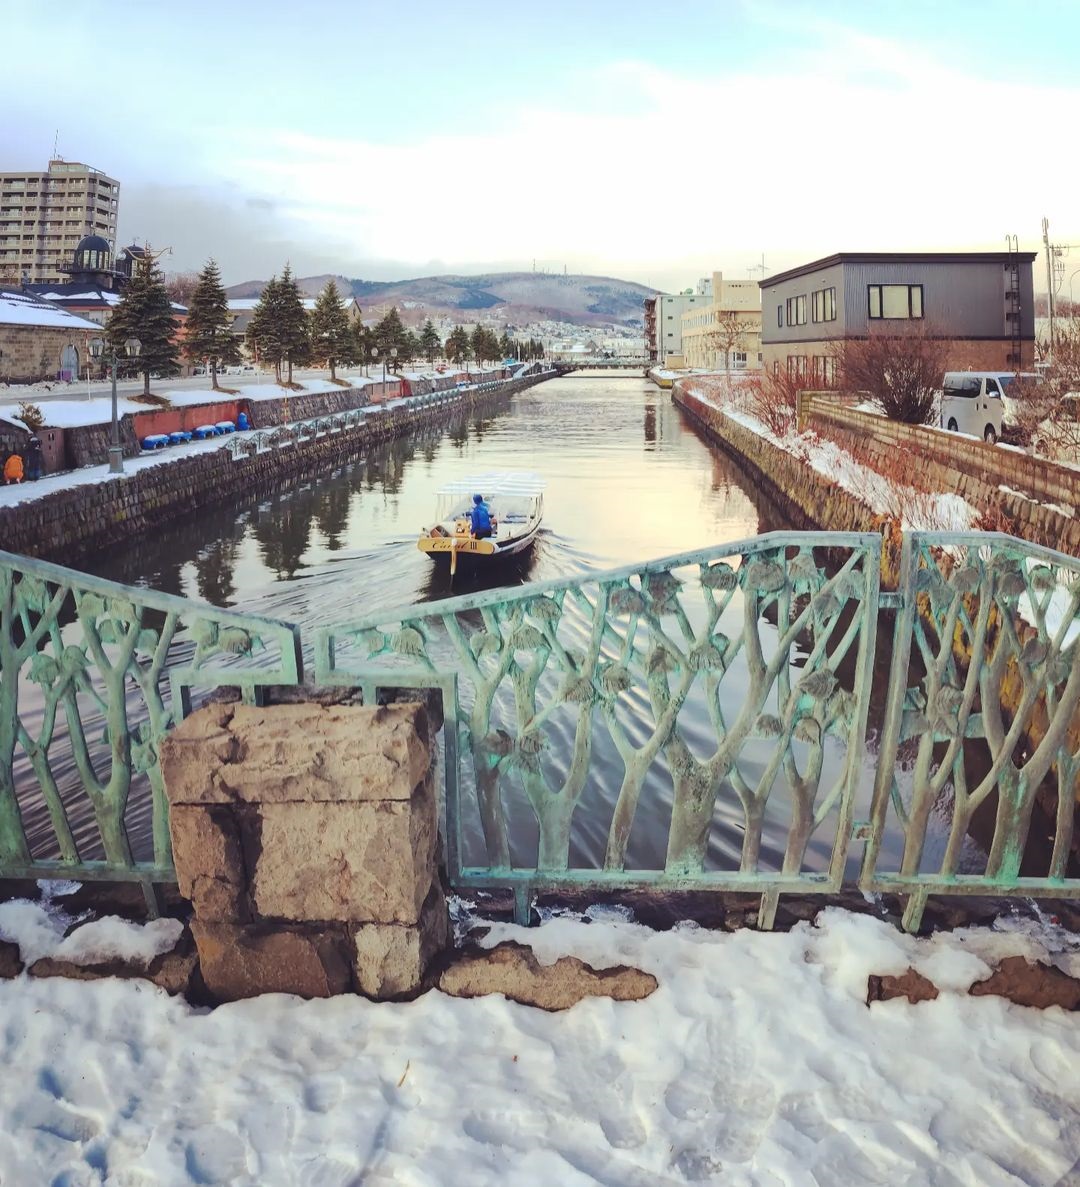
x: 902, y: 370
x: 31, y: 415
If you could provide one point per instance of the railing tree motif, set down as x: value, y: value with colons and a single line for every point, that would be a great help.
x: 703, y: 721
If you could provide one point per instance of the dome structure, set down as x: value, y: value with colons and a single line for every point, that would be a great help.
x: 93, y: 255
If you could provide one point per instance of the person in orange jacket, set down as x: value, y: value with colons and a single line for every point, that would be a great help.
x: 13, y: 470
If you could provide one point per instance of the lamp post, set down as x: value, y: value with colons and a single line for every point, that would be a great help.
x: 132, y: 346
x: 393, y: 356
x: 375, y: 360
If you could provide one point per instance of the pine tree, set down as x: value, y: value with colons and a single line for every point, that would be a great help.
x: 206, y: 333
x: 331, y: 333
x: 478, y: 342
x: 506, y: 347
x: 363, y: 341
x: 145, y: 312
x: 457, y: 345
x: 264, y: 332
x: 430, y: 342
x: 295, y: 330
x: 390, y: 336
x: 410, y: 347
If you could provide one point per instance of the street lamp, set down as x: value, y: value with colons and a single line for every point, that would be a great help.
x: 393, y: 355
x: 97, y: 350
x: 375, y: 360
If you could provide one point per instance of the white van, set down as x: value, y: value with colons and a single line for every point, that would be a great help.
x: 971, y: 402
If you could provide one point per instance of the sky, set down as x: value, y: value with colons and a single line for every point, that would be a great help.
x: 654, y: 142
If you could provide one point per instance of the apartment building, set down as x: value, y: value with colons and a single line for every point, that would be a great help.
x: 663, y: 325
x: 980, y: 304
x: 724, y: 334
x: 44, y: 215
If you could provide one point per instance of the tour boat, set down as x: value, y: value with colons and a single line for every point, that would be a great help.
x: 516, y: 501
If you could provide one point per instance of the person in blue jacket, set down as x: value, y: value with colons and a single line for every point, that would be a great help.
x: 481, y: 518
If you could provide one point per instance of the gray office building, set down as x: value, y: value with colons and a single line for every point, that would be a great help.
x: 981, y: 304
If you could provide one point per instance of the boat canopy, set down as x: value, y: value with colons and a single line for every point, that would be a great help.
x: 521, y: 483
x: 511, y: 494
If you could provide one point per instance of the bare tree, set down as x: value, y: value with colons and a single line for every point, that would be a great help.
x: 1045, y: 414
x: 181, y: 286
x: 901, y: 369
x: 773, y: 397
x: 728, y: 335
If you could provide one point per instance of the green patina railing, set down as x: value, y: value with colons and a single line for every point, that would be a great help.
x: 729, y: 719
x: 92, y: 676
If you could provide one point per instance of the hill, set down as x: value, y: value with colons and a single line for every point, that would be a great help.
x: 514, y: 297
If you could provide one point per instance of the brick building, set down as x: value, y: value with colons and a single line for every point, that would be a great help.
x: 40, y: 341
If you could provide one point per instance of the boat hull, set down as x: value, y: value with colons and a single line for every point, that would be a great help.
x: 441, y: 548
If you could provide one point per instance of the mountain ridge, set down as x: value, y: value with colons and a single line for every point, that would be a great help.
x: 513, y: 297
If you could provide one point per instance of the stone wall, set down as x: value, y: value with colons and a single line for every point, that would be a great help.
x: 811, y: 499
x: 69, y: 523
x: 31, y: 353
x: 306, y: 838
x: 1034, y: 491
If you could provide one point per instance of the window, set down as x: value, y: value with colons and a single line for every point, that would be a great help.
x: 796, y: 366
x: 823, y: 370
x: 780, y: 315
x: 895, y: 301
x: 796, y: 310
x: 824, y: 305
x: 739, y: 357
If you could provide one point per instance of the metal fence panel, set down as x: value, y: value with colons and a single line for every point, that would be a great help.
x: 722, y: 673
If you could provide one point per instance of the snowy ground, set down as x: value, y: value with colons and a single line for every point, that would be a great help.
x: 755, y: 1064
x: 914, y: 509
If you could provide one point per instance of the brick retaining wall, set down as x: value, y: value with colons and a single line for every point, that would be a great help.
x: 71, y: 522
x: 961, y: 465
x: 809, y: 496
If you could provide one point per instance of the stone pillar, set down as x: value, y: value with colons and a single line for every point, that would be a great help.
x: 306, y: 838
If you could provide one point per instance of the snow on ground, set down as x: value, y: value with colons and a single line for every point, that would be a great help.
x: 12, y: 496
x: 755, y: 1064
x: 40, y: 929
x: 916, y: 510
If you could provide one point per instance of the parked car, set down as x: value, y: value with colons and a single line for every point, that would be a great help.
x: 975, y: 402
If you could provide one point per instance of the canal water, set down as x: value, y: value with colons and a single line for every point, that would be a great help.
x: 628, y: 479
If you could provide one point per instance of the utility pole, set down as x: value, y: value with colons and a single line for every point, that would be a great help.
x: 1049, y: 281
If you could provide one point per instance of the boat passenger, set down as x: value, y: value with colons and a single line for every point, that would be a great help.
x: 481, y: 518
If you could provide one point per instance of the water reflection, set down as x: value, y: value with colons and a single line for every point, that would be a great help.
x: 628, y: 479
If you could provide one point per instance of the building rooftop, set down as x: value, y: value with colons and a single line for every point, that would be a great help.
x: 25, y: 309
x: 899, y: 257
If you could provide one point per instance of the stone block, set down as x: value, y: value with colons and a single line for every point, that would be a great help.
x: 357, y: 862
x: 225, y: 754
x: 1030, y: 984
x: 209, y: 861
x: 391, y: 960
x: 174, y: 971
x: 10, y: 963
x: 512, y: 970
x: 243, y: 960
x: 910, y: 984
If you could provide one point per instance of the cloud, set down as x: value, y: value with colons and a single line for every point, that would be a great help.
x: 866, y: 144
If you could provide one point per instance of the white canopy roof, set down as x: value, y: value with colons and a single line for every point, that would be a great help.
x: 520, y: 483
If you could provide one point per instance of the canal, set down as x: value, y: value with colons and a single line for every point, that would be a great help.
x: 628, y: 478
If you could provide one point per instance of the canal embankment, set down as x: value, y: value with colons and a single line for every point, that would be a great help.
x: 93, y: 508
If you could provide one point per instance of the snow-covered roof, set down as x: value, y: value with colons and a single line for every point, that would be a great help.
x: 497, y: 482
x: 245, y: 304
x: 18, y: 309
x: 104, y: 296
